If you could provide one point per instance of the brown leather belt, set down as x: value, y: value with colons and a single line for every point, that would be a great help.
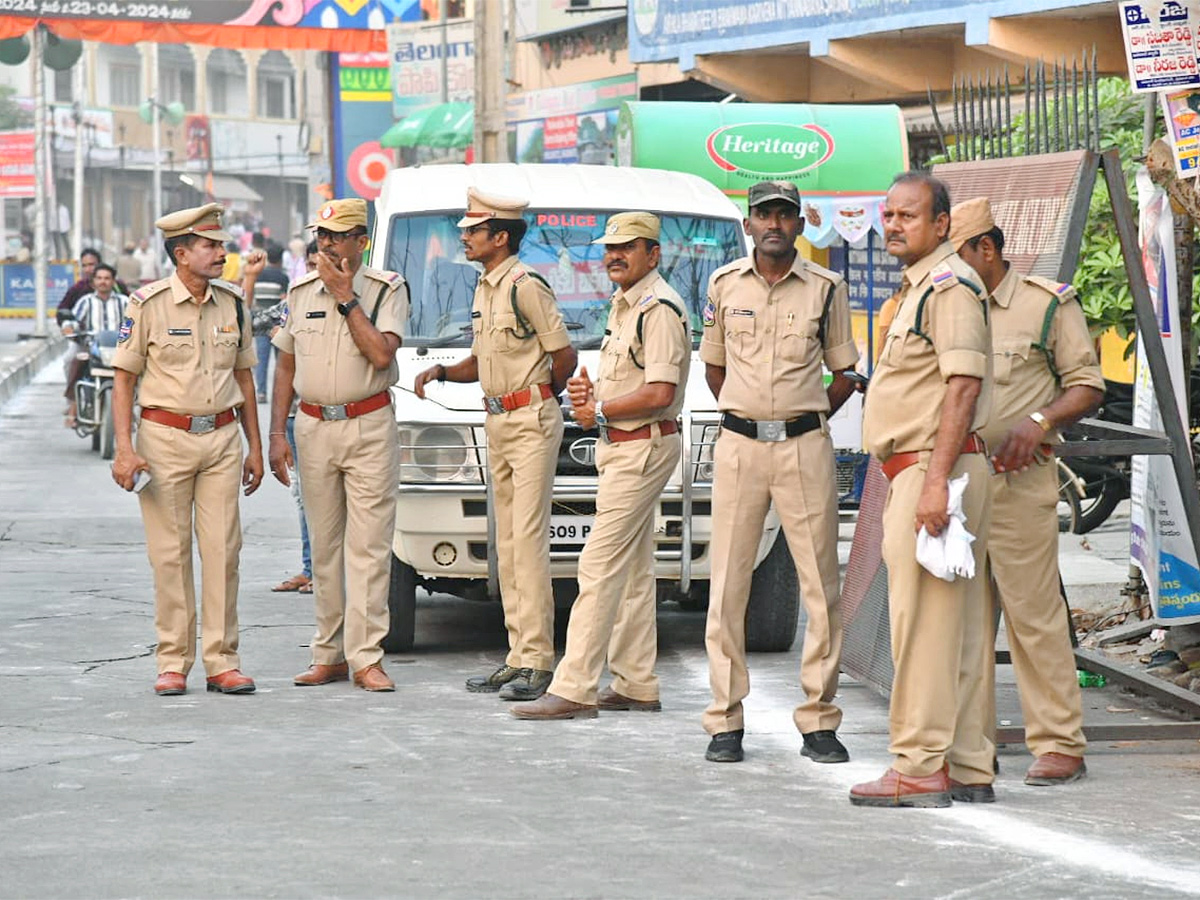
x: 190, y: 424
x: 515, y: 400
x: 898, y: 462
x: 618, y: 435
x: 339, y: 411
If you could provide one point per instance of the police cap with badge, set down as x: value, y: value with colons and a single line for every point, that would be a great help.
x: 766, y: 191
x: 341, y: 215
x: 629, y: 226
x: 204, y: 221
x: 482, y: 207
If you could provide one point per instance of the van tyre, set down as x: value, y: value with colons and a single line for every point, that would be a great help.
x: 402, y: 608
x: 108, y: 439
x: 774, y: 608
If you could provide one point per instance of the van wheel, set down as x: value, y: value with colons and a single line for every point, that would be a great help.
x: 402, y: 608
x: 774, y: 607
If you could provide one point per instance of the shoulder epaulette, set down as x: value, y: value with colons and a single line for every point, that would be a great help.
x: 1064, y: 292
x: 735, y: 266
x: 144, y: 293
x: 308, y: 277
x: 943, y: 277
x: 822, y: 272
x: 391, y: 279
x: 229, y: 287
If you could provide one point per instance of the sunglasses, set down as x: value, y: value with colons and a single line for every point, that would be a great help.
x: 336, y: 237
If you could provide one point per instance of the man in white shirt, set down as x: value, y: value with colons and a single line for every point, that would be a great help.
x: 98, y: 311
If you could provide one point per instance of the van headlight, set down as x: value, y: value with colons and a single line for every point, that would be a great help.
x: 704, y: 441
x: 435, y: 454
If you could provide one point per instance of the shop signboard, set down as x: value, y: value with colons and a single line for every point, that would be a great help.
x: 16, y: 164
x: 572, y: 124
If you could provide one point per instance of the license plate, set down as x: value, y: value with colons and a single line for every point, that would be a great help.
x: 570, y: 529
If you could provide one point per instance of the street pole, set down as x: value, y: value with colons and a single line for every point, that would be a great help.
x: 78, y: 89
x: 491, y: 144
x: 443, y: 12
x: 157, y: 138
x: 41, y: 173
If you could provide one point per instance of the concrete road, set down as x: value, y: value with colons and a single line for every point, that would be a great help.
x: 109, y: 791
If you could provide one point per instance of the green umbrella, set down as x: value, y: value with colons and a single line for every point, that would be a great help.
x: 443, y: 125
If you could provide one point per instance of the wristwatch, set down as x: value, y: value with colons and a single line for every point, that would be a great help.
x: 601, y: 418
x: 1045, y: 424
x: 344, y: 308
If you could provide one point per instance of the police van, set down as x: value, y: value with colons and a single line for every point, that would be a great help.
x: 444, y: 539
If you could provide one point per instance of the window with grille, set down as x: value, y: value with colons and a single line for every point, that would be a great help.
x: 276, y: 87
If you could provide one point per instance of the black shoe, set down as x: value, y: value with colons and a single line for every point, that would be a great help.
x: 972, y: 793
x: 489, y: 684
x: 725, y: 747
x: 528, y: 685
x: 824, y: 747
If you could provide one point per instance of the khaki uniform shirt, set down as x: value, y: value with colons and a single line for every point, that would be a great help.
x: 510, y: 357
x: 767, y: 337
x: 330, y: 369
x: 904, y: 402
x: 185, y: 351
x: 663, y: 354
x: 1024, y: 382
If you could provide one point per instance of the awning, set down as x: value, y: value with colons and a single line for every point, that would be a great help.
x: 444, y: 125
x: 227, y: 187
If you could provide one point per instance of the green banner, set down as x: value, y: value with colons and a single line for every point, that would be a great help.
x: 822, y: 149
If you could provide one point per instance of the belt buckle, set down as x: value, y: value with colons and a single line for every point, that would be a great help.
x: 334, y: 413
x: 494, y: 404
x: 771, y: 431
x: 202, y: 424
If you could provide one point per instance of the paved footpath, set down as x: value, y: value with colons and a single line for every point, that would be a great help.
x: 109, y: 791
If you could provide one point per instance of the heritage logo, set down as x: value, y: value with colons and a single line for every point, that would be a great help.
x: 769, y: 149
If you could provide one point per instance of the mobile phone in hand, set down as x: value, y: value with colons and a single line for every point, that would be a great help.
x: 140, y: 479
x: 859, y: 379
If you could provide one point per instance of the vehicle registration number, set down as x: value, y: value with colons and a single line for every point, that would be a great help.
x: 570, y: 529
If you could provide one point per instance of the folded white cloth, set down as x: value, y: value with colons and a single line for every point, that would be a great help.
x: 949, y: 554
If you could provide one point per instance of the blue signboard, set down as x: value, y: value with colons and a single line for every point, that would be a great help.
x: 17, y: 285
x: 872, y: 274
x: 681, y: 29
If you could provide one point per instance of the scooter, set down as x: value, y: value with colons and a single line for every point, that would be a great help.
x: 93, y: 393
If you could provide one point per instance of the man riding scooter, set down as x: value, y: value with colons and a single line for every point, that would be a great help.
x: 98, y: 311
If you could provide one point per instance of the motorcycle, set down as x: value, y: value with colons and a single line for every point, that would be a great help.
x: 93, y: 392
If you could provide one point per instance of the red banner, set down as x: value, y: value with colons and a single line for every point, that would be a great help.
x: 16, y: 164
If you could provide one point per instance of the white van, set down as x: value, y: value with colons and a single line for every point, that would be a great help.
x: 444, y: 537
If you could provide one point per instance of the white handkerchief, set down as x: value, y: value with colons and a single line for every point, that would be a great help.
x: 949, y: 554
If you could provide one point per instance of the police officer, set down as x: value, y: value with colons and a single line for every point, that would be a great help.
x: 337, y: 344
x: 185, y: 343
x: 521, y: 357
x: 635, y: 402
x: 1047, y: 376
x: 770, y: 320
x: 928, y: 399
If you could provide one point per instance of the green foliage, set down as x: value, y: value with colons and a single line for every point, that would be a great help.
x: 11, y: 115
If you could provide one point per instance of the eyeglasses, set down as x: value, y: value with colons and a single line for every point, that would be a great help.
x: 474, y: 229
x: 336, y: 237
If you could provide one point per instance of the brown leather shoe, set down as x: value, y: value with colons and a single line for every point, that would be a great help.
x: 610, y: 701
x: 231, y: 682
x: 373, y: 678
x: 170, y: 683
x: 1055, y: 768
x: 551, y: 706
x: 894, y: 789
x: 319, y: 674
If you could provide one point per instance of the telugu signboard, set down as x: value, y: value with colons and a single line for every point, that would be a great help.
x: 1160, y: 44
x: 1180, y: 112
x: 572, y: 124
x: 16, y: 164
x: 417, y: 52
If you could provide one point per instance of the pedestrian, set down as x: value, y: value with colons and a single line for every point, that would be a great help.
x: 521, y: 356
x: 129, y: 270
x: 89, y: 258
x: 147, y: 258
x: 929, y: 396
x: 185, y: 344
x: 271, y: 286
x: 337, y: 352
x: 635, y: 402
x: 98, y: 311
x: 771, y: 319
x: 1047, y: 377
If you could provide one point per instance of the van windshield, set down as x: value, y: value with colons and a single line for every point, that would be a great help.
x: 425, y: 249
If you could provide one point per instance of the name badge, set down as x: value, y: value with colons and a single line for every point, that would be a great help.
x: 315, y: 314
x: 178, y: 331
x: 748, y: 313
x: 476, y: 315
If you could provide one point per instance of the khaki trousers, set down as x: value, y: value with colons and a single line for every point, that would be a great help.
x: 943, y: 661
x: 350, y: 472
x: 523, y: 450
x: 195, y: 483
x: 797, y: 475
x: 1022, y: 557
x: 616, y: 608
